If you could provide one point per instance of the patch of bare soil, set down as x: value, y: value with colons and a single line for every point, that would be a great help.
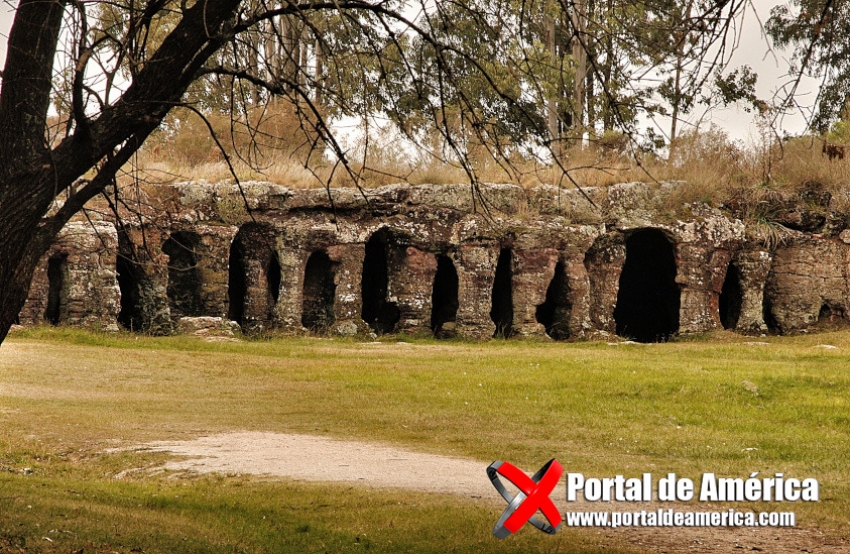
x: 312, y: 458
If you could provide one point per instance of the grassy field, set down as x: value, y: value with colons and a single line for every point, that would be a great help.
x: 715, y: 403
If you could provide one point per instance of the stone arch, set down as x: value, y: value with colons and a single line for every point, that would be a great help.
x: 502, y: 306
x: 317, y: 306
x: 254, y: 277
x: 554, y: 313
x: 377, y: 311
x: 444, y: 297
x: 142, y: 284
x: 184, y: 279
x: 648, y: 298
x: 731, y: 298
x: 57, y: 289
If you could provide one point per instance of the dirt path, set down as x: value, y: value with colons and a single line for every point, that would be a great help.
x: 312, y: 458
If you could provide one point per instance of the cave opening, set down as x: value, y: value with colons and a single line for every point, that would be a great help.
x: 184, y: 279
x: 502, y: 305
x: 317, y: 308
x: 444, y: 298
x: 237, y: 287
x: 554, y: 313
x: 648, y: 299
x: 377, y: 311
x: 130, y: 313
x: 731, y: 298
x: 273, y: 278
x: 767, y: 313
x: 829, y: 316
x: 57, y: 295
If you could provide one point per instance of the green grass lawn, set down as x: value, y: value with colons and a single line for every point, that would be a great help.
x: 709, y: 404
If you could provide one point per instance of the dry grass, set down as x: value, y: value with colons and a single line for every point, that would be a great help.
x: 601, y: 409
x: 278, y: 149
x: 688, y: 407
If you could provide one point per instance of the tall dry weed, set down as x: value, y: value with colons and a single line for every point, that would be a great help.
x: 276, y: 147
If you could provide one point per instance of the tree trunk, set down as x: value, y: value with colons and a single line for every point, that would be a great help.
x: 19, y: 253
x: 579, y: 20
x: 552, y: 101
x: 677, y: 84
x: 24, y: 157
x: 291, y: 32
x: 608, y: 118
x: 32, y: 175
x: 320, y: 69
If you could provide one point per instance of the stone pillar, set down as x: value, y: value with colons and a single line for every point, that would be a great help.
x: 348, y: 304
x: 699, y: 273
x: 753, y: 263
x: 476, y: 269
x: 411, y: 279
x: 93, y: 295
x: 212, y: 254
x: 604, y: 264
x: 259, y: 303
x: 578, y: 297
x: 287, y: 312
x: 532, y: 272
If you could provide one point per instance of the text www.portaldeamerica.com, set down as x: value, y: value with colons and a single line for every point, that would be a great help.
x: 675, y: 518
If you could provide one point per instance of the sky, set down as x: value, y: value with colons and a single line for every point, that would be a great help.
x: 752, y: 49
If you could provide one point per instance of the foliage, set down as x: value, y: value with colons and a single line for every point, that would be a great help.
x: 817, y: 30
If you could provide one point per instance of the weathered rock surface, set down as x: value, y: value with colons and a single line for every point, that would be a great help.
x: 204, y: 326
x: 447, y: 259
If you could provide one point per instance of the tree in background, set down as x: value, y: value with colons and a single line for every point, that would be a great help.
x: 818, y: 31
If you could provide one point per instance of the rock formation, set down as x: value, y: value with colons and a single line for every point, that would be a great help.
x: 448, y: 260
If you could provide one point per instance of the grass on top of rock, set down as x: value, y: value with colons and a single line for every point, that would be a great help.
x: 715, y: 166
x: 724, y: 404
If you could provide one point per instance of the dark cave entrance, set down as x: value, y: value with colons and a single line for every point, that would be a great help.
x: 380, y: 314
x: 648, y: 299
x: 830, y: 317
x: 731, y: 298
x: 317, y: 307
x: 184, y: 280
x: 502, y: 311
x: 554, y: 313
x: 237, y: 287
x: 57, y: 295
x: 273, y: 279
x: 130, y: 315
x: 767, y: 312
x: 444, y: 299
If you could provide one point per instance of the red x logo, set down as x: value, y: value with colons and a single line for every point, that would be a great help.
x: 533, y: 495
